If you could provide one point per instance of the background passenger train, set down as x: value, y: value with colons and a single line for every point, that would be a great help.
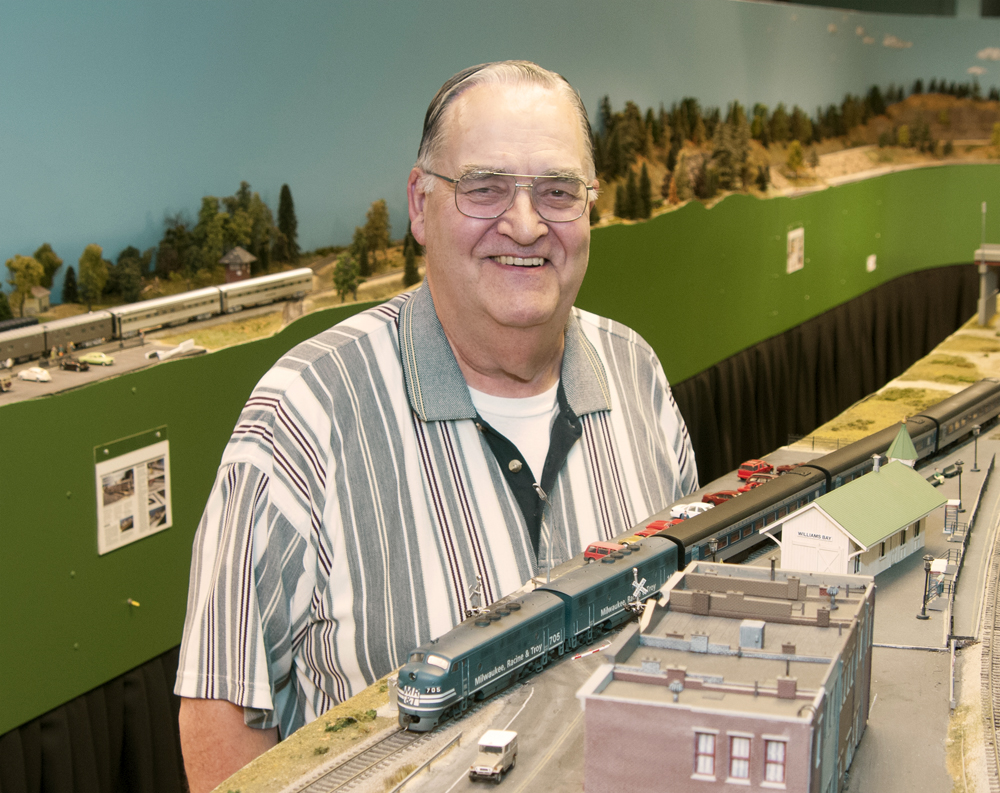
x: 120, y: 322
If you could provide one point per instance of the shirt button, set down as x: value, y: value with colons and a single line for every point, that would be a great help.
x: 514, y: 466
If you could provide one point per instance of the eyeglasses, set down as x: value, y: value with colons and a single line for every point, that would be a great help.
x: 485, y: 195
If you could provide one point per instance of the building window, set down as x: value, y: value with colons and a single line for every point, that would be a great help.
x: 739, y: 758
x: 704, y: 753
x: 916, y: 529
x: 774, y: 761
x: 882, y: 551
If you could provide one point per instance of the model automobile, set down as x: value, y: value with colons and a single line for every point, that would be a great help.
x: 689, y: 510
x: 497, y: 755
x: 36, y: 373
x: 5, y: 384
x: 96, y: 359
x: 73, y: 365
x: 720, y: 496
x: 784, y: 469
x: 751, y: 467
x: 599, y: 550
x: 756, y: 481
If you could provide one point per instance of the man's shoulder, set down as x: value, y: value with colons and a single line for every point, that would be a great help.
x: 595, y: 326
x: 377, y: 325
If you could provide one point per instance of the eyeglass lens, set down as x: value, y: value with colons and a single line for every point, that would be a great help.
x: 489, y: 195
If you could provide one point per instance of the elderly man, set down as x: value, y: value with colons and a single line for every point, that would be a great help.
x: 386, y: 468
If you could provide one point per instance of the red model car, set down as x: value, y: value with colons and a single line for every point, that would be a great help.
x: 598, y: 550
x: 719, y: 497
x: 656, y: 526
x: 751, y: 467
x: 756, y: 480
x: 784, y: 469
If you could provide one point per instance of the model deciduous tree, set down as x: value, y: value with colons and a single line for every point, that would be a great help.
x: 5, y: 312
x: 794, y: 161
x: 288, y: 225
x: 50, y: 262
x: 24, y: 273
x: 377, y: 229
x: 93, y: 274
x: 346, y: 278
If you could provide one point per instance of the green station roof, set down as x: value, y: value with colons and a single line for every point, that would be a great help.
x: 881, y: 503
x: 902, y: 447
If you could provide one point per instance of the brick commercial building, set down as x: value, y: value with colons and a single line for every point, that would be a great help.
x: 733, y: 678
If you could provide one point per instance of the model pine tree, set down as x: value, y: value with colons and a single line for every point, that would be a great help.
x: 359, y: 252
x: 632, y: 204
x: 70, y: 292
x: 288, y: 225
x: 645, y: 208
x: 411, y: 275
x: 377, y: 228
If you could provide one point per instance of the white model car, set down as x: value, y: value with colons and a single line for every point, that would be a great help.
x: 689, y: 510
x: 36, y: 373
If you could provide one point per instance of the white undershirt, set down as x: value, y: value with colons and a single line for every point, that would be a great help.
x: 524, y: 421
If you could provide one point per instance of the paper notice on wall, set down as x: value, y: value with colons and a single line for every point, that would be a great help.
x: 796, y: 250
x: 133, y: 496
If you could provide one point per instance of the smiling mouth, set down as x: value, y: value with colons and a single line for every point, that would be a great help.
x: 517, y: 261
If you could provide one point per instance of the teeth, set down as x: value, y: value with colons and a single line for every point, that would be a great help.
x: 517, y: 261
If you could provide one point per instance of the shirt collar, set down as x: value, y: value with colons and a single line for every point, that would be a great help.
x: 434, y: 383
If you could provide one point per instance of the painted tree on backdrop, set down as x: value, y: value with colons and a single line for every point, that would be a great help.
x: 25, y: 272
x: 286, y: 245
x: 93, y: 274
x: 50, y: 262
x: 377, y: 228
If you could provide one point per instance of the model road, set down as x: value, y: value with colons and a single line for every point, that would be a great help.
x: 546, y: 715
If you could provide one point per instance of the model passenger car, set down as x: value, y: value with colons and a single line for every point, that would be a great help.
x: 97, y: 359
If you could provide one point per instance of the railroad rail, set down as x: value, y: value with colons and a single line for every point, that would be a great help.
x: 991, y: 667
x: 344, y: 774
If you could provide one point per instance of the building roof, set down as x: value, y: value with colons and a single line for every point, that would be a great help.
x: 881, y: 503
x: 719, y: 672
x: 902, y: 447
x: 39, y: 291
x: 238, y: 256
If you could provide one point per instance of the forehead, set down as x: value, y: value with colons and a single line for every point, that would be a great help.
x: 521, y: 128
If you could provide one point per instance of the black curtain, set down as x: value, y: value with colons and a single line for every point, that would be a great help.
x: 749, y: 404
x: 122, y: 736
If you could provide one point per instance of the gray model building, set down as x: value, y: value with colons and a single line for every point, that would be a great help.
x: 737, y: 676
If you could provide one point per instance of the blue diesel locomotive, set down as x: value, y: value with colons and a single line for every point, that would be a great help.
x: 519, y: 634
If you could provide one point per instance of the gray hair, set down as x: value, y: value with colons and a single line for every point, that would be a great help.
x: 496, y: 73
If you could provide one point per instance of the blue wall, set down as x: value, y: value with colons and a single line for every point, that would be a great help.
x: 113, y: 114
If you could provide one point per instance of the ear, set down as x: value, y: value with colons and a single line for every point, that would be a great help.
x: 416, y: 200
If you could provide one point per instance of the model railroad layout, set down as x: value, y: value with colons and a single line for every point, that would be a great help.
x: 121, y: 322
x: 519, y: 634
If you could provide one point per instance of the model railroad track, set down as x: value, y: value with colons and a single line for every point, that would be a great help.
x: 342, y: 776
x: 991, y: 667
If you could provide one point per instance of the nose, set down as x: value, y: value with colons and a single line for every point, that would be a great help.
x: 521, y: 222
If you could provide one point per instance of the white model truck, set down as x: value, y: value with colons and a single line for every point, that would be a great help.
x: 497, y: 755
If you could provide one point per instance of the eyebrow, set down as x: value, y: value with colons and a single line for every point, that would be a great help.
x: 556, y: 172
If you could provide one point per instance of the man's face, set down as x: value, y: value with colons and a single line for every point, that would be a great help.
x: 516, y: 270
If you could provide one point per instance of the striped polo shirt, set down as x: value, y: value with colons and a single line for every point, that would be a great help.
x: 357, y: 502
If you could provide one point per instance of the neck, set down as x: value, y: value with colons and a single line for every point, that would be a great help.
x: 509, y: 362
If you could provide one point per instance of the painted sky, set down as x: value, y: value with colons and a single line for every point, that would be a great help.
x: 114, y: 114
